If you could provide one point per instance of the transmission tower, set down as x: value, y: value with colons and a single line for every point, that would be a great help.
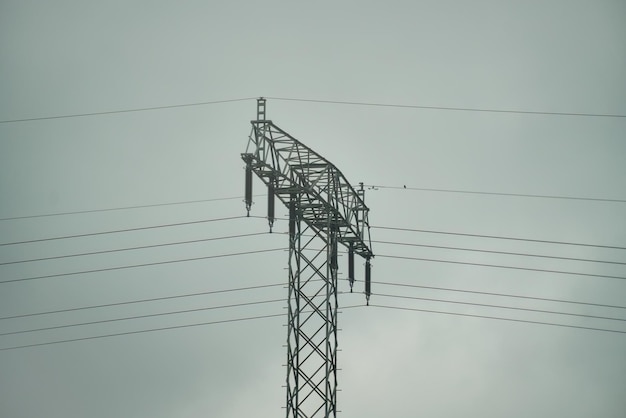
x: 325, y: 211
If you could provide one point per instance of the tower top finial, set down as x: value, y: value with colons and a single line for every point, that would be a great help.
x: 260, y: 108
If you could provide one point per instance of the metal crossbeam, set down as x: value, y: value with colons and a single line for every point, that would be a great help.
x: 324, y: 211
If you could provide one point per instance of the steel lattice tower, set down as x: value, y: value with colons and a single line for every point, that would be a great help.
x: 325, y: 211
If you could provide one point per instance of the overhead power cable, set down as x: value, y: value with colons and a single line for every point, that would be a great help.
x: 112, y: 112
x: 107, y: 305
x: 431, y: 260
x: 283, y: 284
x: 133, y: 248
x: 143, y: 331
x: 77, y: 212
x: 265, y: 233
x: 455, y: 109
x: 103, y: 321
x: 224, y: 321
x: 424, y: 189
x: 281, y: 300
x: 498, y: 252
x: 427, y: 231
x: 491, y: 251
x: 609, y: 318
x: 157, y: 263
x: 283, y: 314
x: 498, y: 318
x: 90, y: 234
x: 500, y: 294
x: 350, y: 103
x: 430, y: 231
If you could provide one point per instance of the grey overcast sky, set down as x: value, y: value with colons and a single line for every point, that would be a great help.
x: 76, y: 57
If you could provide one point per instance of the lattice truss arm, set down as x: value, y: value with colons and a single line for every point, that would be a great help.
x: 289, y: 167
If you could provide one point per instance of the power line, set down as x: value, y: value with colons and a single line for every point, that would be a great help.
x: 497, y: 237
x: 375, y: 187
x: 134, y: 248
x: 498, y: 318
x: 265, y: 233
x: 107, y: 305
x: 499, y: 307
x: 154, y: 330
x: 498, y: 252
x: 111, y: 112
x: 283, y: 284
x: 430, y: 231
x: 142, y: 316
x: 90, y: 234
x: 389, y: 105
x: 500, y: 266
x: 283, y: 314
x: 157, y: 263
x: 501, y: 294
x: 456, y: 109
x: 224, y: 321
x: 281, y: 300
x: 121, y: 208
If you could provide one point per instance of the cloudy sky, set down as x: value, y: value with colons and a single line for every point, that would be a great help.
x: 81, y: 57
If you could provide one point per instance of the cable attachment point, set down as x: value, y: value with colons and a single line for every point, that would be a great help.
x: 248, y: 197
x: 368, y: 280
x: 351, y: 265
